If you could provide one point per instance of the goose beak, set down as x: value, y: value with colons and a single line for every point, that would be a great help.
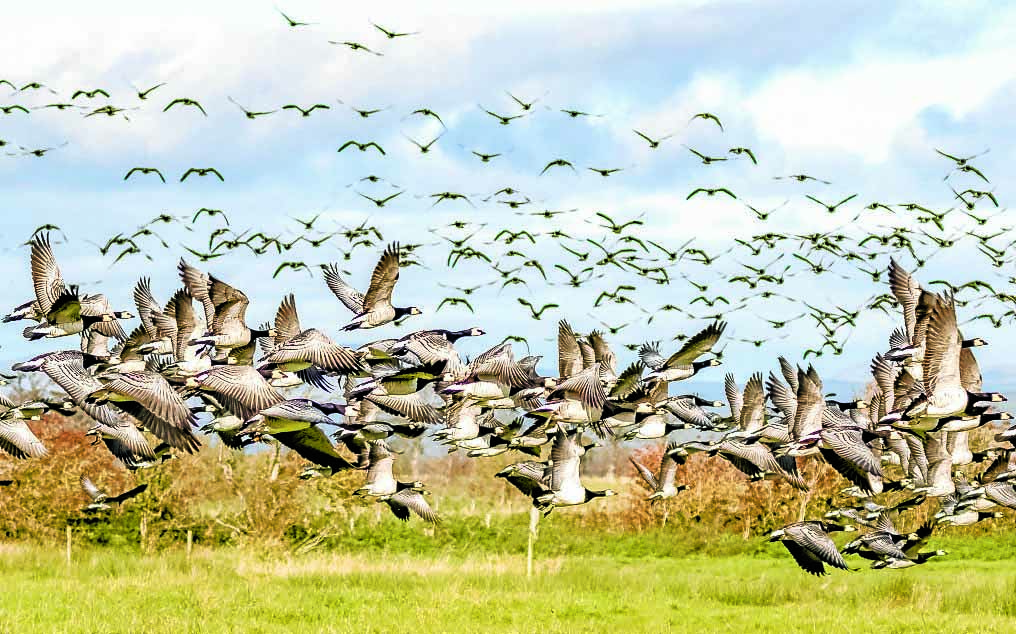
x: 415, y: 311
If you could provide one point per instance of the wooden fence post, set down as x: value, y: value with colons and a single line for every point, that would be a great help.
x: 534, y: 523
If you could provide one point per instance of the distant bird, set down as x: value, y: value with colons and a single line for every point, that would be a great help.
x: 485, y: 158
x: 801, y: 178
x: 574, y: 114
x: 143, y: 94
x: 707, y: 116
x: 532, y: 309
x: 738, y: 151
x: 209, y: 213
x: 391, y: 35
x: 202, y: 171
x: 145, y: 170
x: 380, y: 202
x: 606, y: 172
x: 363, y: 147
x: 711, y: 192
x: 356, y: 46
x: 424, y: 148
x: 557, y: 163
x: 184, y: 101
x: 960, y: 161
x: 306, y: 112
x: 706, y: 160
x: 89, y: 93
x: 525, y: 105
x: 831, y: 208
x: 249, y: 113
x: 653, y: 143
x: 291, y: 22
x: 502, y: 119
x: 427, y: 112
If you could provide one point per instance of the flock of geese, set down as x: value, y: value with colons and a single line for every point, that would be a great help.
x: 195, y: 365
x: 505, y: 236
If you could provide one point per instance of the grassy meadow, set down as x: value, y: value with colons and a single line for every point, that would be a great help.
x: 604, y: 585
x: 273, y: 553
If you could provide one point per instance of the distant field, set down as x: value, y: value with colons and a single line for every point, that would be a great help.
x: 110, y: 590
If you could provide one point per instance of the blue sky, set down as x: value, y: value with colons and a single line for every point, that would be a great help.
x: 854, y: 93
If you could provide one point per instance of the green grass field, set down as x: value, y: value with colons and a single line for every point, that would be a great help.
x: 235, y: 590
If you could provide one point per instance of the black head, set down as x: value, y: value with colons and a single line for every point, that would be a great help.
x: 709, y: 363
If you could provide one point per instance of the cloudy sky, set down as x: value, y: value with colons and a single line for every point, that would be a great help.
x: 853, y: 93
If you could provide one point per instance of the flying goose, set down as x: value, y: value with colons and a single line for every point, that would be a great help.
x: 529, y: 477
x: 239, y: 388
x: 46, y: 280
x: 380, y: 475
x: 662, y: 483
x: 374, y: 308
x: 71, y: 314
x: 810, y: 405
x: 224, y: 423
x: 101, y: 501
x: 148, y: 397
x: 811, y: 546
x: 579, y: 399
x: 305, y: 352
x: 227, y: 328
x: 295, y: 424
x: 181, y: 326
x: 406, y: 500
x: 121, y: 436
x: 58, y: 307
x: 748, y: 408
x: 490, y: 376
x: 916, y: 560
x: 757, y: 461
x: 882, y: 543
x: 968, y: 517
x: 565, y: 486
x: 435, y: 348
x: 15, y: 436
x: 148, y: 307
x: 682, y: 364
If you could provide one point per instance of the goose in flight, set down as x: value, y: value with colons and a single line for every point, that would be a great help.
x: 810, y: 545
x: 565, y: 486
x: 374, y: 308
x: 662, y: 482
x: 682, y: 364
x: 101, y: 501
